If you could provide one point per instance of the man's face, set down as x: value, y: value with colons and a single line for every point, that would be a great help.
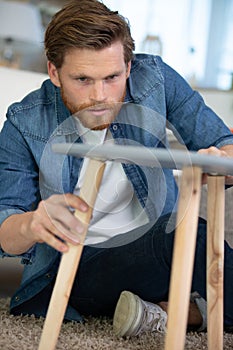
x: 92, y: 83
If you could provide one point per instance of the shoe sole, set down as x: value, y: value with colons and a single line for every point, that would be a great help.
x: 127, y: 314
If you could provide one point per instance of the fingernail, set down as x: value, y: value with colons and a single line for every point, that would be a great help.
x: 64, y: 248
x: 83, y: 207
x: 74, y: 237
x: 75, y: 240
x: 79, y: 228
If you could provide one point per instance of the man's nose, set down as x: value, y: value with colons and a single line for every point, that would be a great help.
x: 98, y: 93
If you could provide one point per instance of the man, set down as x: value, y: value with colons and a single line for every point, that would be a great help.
x: 95, y: 79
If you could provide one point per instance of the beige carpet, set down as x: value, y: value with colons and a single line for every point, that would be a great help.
x: 24, y: 333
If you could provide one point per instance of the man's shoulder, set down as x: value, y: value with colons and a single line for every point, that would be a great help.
x: 145, y: 60
x: 35, y: 114
x: 42, y: 96
x: 147, y: 73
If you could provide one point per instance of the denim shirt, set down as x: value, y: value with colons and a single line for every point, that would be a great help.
x: 157, y: 98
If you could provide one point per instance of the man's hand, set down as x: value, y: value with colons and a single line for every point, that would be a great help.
x: 53, y: 222
x: 225, y: 151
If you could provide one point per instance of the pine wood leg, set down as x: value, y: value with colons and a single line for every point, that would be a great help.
x: 70, y: 261
x: 215, y: 260
x: 183, y: 258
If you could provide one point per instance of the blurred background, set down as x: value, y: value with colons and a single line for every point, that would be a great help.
x: 193, y: 36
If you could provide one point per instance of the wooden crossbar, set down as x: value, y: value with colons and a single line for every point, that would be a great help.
x: 182, y: 264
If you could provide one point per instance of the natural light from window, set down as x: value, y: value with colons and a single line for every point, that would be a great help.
x: 195, y: 36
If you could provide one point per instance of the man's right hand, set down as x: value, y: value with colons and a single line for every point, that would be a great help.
x: 53, y: 222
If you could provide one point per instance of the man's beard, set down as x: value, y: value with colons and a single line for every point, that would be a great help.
x: 93, y: 122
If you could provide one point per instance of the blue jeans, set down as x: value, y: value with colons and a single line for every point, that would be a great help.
x: 142, y: 267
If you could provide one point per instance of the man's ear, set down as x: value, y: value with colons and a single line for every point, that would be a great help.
x: 53, y: 74
x: 128, y: 69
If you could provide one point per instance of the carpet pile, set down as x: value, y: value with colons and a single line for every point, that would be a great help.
x: 24, y: 333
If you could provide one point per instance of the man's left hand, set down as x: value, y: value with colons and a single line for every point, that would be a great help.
x: 225, y: 151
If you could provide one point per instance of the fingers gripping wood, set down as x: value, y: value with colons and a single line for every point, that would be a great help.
x: 70, y: 260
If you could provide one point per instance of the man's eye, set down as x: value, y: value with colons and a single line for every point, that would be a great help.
x: 112, y: 77
x: 82, y: 79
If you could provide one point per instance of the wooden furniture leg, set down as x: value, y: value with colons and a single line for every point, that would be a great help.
x: 183, y: 258
x: 70, y: 261
x: 215, y: 260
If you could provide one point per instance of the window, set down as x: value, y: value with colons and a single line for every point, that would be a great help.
x: 196, y: 35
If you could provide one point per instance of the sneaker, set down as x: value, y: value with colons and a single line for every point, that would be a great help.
x: 202, y: 307
x: 134, y: 316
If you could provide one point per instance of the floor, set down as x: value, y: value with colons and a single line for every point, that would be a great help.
x: 10, y: 275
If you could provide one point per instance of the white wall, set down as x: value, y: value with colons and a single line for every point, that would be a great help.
x: 181, y: 24
x: 221, y: 102
x: 14, y: 85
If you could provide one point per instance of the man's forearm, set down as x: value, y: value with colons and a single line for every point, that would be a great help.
x: 228, y: 149
x: 13, y: 234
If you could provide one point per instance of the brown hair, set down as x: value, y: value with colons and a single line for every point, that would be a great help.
x: 86, y: 24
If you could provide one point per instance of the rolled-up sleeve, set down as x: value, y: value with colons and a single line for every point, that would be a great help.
x: 19, y: 174
x: 19, y: 191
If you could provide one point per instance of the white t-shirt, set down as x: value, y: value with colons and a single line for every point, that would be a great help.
x: 117, y: 209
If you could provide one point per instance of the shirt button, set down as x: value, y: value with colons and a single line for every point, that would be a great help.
x: 17, y: 298
x: 48, y: 275
x: 115, y: 127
